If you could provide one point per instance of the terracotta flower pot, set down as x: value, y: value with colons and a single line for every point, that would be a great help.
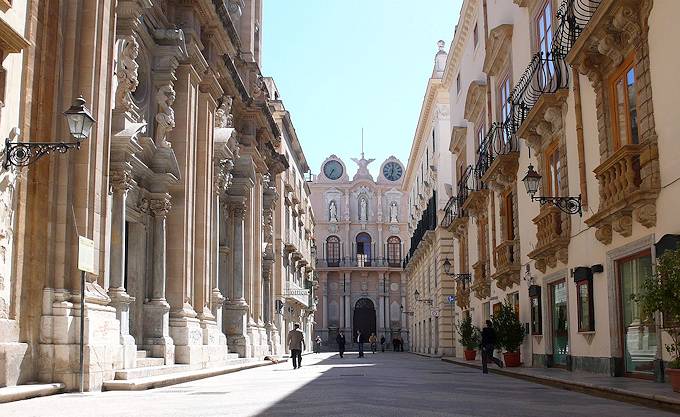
x: 674, y: 375
x: 512, y: 359
x: 470, y: 355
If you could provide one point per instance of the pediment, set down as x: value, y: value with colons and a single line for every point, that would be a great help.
x: 499, y: 49
x: 458, y: 135
x: 475, y: 100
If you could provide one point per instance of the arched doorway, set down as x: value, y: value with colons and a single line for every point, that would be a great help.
x: 364, y: 249
x: 364, y: 319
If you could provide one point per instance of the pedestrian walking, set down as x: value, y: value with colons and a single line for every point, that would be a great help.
x: 488, y: 345
x: 360, y: 342
x: 373, y: 340
x: 395, y: 344
x: 317, y: 344
x: 296, y: 342
x: 382, y: 343
x: 401, y: 343
x: 340, y: 340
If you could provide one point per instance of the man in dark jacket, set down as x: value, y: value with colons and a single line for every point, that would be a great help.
x: 488, y: 345
x: 340, y: 340
x: 382, y: 343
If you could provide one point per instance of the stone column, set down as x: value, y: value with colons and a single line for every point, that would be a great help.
x: 236, y: 309
x: 324, y: 312
x: 121, y: 182
x: 348, y: 303
x: 157, y: 310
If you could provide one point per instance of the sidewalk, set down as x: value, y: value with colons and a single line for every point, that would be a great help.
x: 632, y: 390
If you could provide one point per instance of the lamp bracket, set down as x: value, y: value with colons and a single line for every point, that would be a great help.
x: 569, y: 205
x: 21, y: 154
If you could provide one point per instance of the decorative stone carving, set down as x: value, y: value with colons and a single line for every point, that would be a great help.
x: 394, y: 212
x: 333, y: 212
x: 646, y: 215
x: 623, y: 225
x: 160, y: 207
x: 121, y: 180
x: 143, y: 205
x: 126, y: 73
x: 223, y: 116
x: 363, y: 209
x: 165, y: 118
x: 604, y: 234
x: 223, y: 175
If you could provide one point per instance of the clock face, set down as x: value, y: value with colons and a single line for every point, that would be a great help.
x: 333, y: 170
x: 392, y: 171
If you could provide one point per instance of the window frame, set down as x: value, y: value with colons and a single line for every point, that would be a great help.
x: 590, y: 326
x: 621, y: 73
x: 536, y: 324
x: 509, y: 212
x: 394, y: 248
x: 330, y: 260
x: 548, y: 153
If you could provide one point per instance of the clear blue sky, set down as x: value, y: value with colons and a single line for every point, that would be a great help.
x: 341, y: 65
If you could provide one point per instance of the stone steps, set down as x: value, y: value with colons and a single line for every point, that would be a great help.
x: 141, y: 354
x: 147, y: 371
x: 148, y: 362
x: 176, y: 374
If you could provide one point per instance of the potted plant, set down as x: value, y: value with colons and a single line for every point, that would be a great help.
x: 470, y: 338
x: 661, y: 293
x: 509, y: 334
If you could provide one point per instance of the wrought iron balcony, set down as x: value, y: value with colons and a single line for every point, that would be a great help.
x: 360, y: 261
x: 498, y: 154
x: 427, y: 222
x: 572, y: 18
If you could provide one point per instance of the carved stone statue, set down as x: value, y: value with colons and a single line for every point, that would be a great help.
x: 333, y: 211
x: 126, y: 72
x: 165, y: 118
x: 363, y: 209
x: 223, y: 116
x: 394, y: 212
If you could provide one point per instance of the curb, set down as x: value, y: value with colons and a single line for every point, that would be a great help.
x: 179, y: 378
x: 646, y: 400
x: 23, y: 392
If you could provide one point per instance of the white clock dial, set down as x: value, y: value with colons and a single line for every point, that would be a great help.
x: 333, y: 170
x: 392, y: 171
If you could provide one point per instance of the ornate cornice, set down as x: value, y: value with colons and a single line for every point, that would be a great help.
x: 499, y: 49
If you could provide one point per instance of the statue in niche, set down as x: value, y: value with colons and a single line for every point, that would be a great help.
x: 165, y: 118
x: 223, y: 116
x: 127, y: 73
x: 333, y: 211
x: 363, y: 209
x: 394, y: 212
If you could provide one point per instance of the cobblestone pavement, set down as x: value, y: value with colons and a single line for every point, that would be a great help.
x: 384, y: 384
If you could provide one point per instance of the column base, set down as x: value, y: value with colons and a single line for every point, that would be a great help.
x: 157, y: 338
x: 120, y: 300
x: 187, y: 336
x: 235, y: 324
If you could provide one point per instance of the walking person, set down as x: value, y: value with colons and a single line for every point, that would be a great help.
x: 373, y: 340
x: 360, y: 342
x: 395, y: 344
x: 340, y: 340
x: 317, y: 344
x: 296, y: 342
x: 382, y: 343
x: 488, y: 345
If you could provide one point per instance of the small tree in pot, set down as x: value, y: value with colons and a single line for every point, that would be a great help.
x: 661, y: 292
x: 509, y: 333
x: 470, y: 337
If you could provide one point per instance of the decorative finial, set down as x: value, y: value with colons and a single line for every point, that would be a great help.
x: 441, y: 45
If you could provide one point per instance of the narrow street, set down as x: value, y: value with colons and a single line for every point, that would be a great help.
x: 384, y: 384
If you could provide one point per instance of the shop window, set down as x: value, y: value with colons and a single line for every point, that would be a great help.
x: 584, y: 301
x: 536, y: 310
x: 624, y: 105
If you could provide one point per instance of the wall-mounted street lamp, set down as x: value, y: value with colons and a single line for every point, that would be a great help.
x: 408, y: 313
x: 80, y: 122
x: 569, y: 205
x: 462, y: 278
x: 416, y: 294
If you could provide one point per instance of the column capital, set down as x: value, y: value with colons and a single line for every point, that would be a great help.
x: 121, y: 180
x: 238, y: 208
x: 160, y: 206
x: 223, y: 175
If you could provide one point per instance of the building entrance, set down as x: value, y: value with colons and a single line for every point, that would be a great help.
x: 364, y: 319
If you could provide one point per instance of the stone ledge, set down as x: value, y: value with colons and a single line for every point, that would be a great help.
x: 159, y: 381
x: 670, y: 402
x: 23, y: 392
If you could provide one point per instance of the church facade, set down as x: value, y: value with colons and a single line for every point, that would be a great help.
x: 361, y: 236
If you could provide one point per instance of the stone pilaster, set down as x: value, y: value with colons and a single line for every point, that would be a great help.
x: 236, y: 309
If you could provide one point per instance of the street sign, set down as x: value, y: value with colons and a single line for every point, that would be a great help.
x: 452, y: 299
x: 86, y: 255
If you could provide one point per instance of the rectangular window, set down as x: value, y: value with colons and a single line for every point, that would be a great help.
x: 481, y: 135
x: 458, y: 84
x: 585, y: 305
x: 513, y: 299
x: 504, y: 105
x: 624, y: 105
x: 536, y: 310
x: 544, y: 38
x: 508, y: 212
x: 552, y: 170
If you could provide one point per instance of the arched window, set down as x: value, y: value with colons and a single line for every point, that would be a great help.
x: 333, y: 251
x: 363, y: 249
x: 394, y: 251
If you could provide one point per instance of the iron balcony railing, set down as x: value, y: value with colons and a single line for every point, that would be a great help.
x: 500, y: 140
x: 428, y: 221
x: 572, y: 17
x: 470, y: 181
x: 360, y: 261
x: 548, y: 71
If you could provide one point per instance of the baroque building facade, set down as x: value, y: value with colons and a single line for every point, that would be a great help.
x: 582, y: 92
x: 177, y: 186
x: 361, y: 238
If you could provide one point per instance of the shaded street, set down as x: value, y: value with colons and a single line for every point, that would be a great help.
x: 384, y: 384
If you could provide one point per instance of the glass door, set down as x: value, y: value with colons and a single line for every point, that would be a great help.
x: 639, y: 338
x: 560, y: 323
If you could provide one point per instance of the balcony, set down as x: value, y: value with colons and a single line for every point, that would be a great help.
x: 552, y: 235
x: 507, y: 264
x: 626, y: 191
x: 482, y: 283
x: 295, y: 293
x: 427, y: 222
x: 472, y: 190
x: 498, y: 156
x: 455, y: 218
x: 360, y: 261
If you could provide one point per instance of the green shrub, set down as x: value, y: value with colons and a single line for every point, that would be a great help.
x: 509, y: 331
x: 470, y: 336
